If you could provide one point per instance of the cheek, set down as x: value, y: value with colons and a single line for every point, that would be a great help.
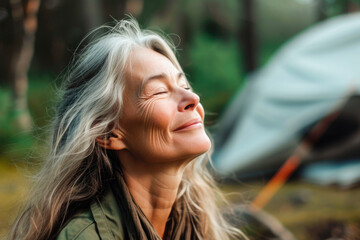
x: 156, y: 114
x: 151, y: 127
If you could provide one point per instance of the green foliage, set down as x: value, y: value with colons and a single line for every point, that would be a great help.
x: 42, y: 98
x: 216, y: 72
x: 338, y: 7
x: 15, y: 144
x: 199, y: 11
x: 6, y: 116
x: 268, y: 50
x: 12, y: 141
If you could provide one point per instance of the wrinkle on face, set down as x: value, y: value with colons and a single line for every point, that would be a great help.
x: 158, y: 136
x: 149, y: 115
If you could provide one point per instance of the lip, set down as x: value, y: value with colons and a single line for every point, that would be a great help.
x: 189, y: 125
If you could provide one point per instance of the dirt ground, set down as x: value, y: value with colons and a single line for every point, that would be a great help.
x: 308, y: 211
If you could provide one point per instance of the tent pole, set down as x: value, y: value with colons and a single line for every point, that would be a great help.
x: 293, y: 162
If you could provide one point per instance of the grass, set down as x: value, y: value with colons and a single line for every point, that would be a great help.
x: 13, y: 189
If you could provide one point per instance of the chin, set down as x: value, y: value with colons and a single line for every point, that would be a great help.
x: 200, y: 145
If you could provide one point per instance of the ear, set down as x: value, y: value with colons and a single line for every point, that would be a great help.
x: 114, y: 142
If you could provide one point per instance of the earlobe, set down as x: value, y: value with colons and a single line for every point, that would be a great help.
x: 114, y: 142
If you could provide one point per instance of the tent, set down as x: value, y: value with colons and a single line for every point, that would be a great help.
x: 314, y: 74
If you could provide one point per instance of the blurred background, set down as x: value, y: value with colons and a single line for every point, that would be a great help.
x: 279, y: 80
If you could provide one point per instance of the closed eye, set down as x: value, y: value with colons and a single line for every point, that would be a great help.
x: 185, y: 86
x: 159, y: 93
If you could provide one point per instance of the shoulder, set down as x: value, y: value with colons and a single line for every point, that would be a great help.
x: 81, y: 227
x: 102, y: 220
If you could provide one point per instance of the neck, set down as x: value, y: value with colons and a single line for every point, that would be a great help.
x: 154, y: 187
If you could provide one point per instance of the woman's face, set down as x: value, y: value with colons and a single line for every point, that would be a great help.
x: 162, y: 118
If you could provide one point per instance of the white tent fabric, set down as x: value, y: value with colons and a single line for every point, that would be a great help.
x: 307, y: 78
x: 342, y: 174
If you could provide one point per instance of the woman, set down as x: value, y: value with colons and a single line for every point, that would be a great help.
x: 128, y: 152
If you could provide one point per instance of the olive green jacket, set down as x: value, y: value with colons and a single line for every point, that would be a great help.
x: 101, y: 222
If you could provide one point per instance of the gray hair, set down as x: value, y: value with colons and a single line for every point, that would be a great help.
x: 91, y: 105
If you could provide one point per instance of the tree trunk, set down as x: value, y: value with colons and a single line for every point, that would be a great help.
x: 25, y: 25
x: 321, y: 10
x: 247, y: 36
x: 91, y: 11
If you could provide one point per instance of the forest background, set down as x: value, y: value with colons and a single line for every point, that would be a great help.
x: 219, y: 43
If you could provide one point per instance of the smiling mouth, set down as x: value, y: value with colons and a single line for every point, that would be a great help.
x: 193, y: 124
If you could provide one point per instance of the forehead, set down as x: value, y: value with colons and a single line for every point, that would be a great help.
x: 144, y: 63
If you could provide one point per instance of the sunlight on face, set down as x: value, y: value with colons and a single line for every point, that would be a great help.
x: 162, y: 118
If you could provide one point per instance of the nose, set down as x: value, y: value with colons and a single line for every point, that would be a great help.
x: 189, y: 101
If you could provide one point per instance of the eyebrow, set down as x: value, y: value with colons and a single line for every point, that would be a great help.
x: 161, y: 76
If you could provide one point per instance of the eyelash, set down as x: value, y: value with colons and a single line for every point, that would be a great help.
x: 158, y: 93
x: 163, y: 92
